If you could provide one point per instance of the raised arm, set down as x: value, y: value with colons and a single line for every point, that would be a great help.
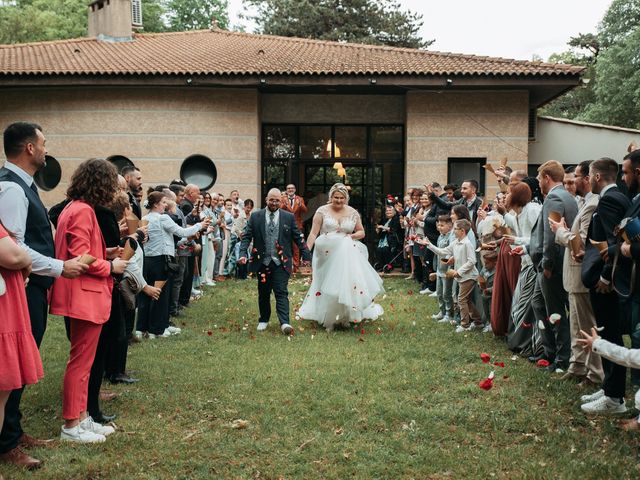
x: 315, y: 229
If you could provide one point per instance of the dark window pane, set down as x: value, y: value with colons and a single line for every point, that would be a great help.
x: 314, y: 175
x: 275, y: 176
x: 280, y: 142
x: 351, y: 142
x: 355, y: 175
x: 461, y: 169
x: 313, y: 143
x: 386, y: 143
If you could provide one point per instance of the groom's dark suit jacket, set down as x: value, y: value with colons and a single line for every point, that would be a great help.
x: 287, y: 234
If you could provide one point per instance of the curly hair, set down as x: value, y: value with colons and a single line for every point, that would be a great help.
x: 95, y: 181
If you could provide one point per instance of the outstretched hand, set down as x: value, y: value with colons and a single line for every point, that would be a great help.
x: 587, y: 340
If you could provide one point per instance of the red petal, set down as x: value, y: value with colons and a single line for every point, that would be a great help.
x: 410, y: 292
x: 499, y: 364
x: 318, y: 294
x: 485, y: 357
x: 209, y: 332
x: 362, y: 331
x: 543, y: 363
x: 486, y: 384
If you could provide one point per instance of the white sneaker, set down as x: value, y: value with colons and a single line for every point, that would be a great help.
x: 445, y: 319
x: 209, y: 283
x: 174, y: 330
x: 138, y: 334
x: 286, y: 329
x: 80, y: 435
x: 476, y: 326
x: 437, y: 316
x: 460, y: 329
x: 262, y: 326
x: 151, y: 336
x: 195, y: 292
x: 165, y: 334
x: 487, y: 328
x: 434, y: 294
x: 424, y: 291
x: 88, y: 425
x: 604, y: 405
x: 591, y: 397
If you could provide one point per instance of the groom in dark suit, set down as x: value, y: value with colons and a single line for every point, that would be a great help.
x: 273, y: 232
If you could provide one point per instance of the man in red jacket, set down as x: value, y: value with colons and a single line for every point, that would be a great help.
x: 295, y: 204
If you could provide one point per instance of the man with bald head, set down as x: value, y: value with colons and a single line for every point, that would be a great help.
x: 273, y: 232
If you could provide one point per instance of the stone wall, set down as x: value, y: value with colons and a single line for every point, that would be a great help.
x: 157, y: 128
x: 443, y: 125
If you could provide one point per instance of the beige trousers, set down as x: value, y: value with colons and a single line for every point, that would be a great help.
x: 581, y: 317
x: 468, y: 310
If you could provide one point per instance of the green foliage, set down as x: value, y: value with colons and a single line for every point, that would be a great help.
x: 381, y: 22
x: 39, y: 20
x: 612, y: 96
x: 618, y: 86
x: 621, y: 19
x: 197, y: 14
x: 153, y: 13
x: 400, y: 401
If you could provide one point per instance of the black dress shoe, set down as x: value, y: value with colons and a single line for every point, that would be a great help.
x: 103, y: 418
x: 123, y: 378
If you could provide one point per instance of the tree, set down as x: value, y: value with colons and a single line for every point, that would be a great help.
x: 197, y: 14
x: 39, y: 20
x: 153, y: 16
x: 618, y: 84
x: 584, y: 51
x: 380, y: 22
x: 621, y: 19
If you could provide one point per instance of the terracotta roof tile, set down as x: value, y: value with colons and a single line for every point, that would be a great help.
x: 232, y: 53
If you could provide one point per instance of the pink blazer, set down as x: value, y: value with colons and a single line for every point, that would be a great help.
x: 87, y: 297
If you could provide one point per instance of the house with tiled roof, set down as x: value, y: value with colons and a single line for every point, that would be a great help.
x: 271, y: 110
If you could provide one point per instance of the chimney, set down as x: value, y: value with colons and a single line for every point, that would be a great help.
x: 114, y: 20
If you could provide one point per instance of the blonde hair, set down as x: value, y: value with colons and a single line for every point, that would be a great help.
x: 339, y: 188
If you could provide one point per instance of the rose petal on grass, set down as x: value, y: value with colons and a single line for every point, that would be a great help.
x: 499, y: 364
x: 485, y: 357
x: 542, y: 363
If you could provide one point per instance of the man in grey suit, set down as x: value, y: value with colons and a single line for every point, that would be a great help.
x: 584, y: 366
x: 549, y: 295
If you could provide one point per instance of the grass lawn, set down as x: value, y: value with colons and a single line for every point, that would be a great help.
x: 396, y: 398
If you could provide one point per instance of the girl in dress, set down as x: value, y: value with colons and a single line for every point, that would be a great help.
x: 344, y: 284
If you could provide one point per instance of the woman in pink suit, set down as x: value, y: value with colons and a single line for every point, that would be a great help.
x: 86, y: 300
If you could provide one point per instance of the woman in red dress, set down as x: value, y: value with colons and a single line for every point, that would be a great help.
x: 19, y: 356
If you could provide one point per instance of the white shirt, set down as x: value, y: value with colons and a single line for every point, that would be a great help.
x: 464, y: 258
x: 14, y: 208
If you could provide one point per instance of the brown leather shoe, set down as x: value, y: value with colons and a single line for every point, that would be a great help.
x: 28, y: 441
x: 570, y: 376
x: 20, y: 459
x: 587, y: 384
x: 107, y: 395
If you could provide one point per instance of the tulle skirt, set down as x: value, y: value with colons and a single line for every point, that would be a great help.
x: 344, y: 284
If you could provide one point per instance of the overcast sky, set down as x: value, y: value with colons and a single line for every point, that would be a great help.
x: 500, y: 28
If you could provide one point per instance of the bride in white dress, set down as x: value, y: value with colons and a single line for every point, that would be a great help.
x: 344, y: 284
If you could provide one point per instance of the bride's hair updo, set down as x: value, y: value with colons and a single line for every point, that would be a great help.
x: 339, y: 188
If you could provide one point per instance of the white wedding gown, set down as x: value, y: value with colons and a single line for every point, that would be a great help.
x: 344, y: 284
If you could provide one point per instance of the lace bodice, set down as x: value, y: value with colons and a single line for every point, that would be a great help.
x: 330, y: 223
